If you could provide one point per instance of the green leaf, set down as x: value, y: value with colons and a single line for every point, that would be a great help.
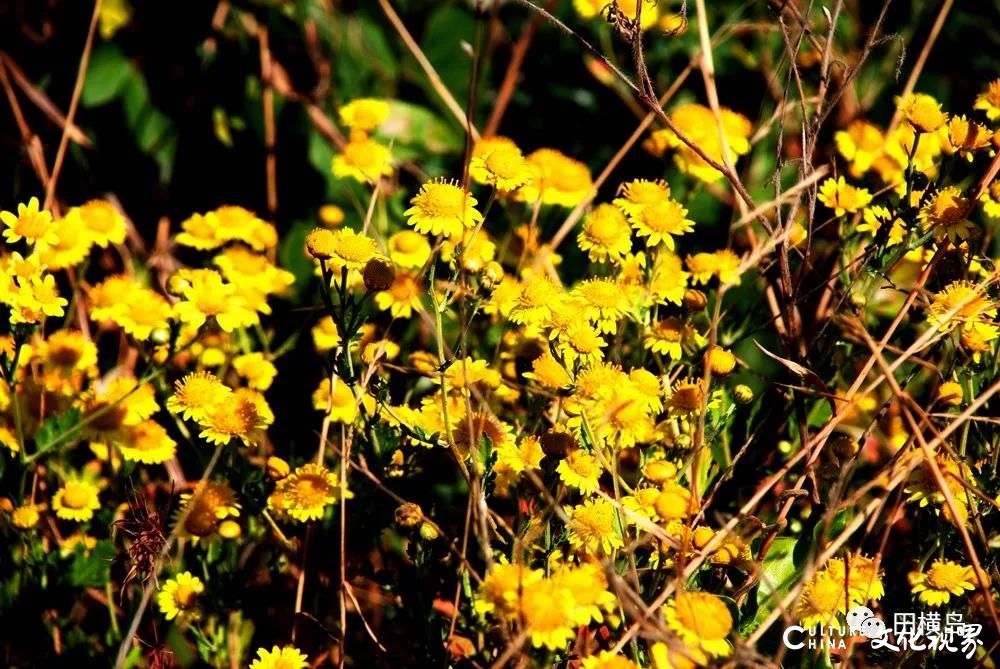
x: 416, y: 130
x: 778, y: 573
x: 56, y: 426
x: 93, y: 570
x: 107, y: 74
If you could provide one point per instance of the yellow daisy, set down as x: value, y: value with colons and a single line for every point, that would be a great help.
x: 305, y: 493
x: 442, y: 207
x: 76, y: 500
x: 593, y: 527
x: 409, y: 249
x: 197, y: 394
x: 606, y: 234
x: 580, y: 470
x: 989, y: 100
x: 364, y: 114
x: 504, y: 168
x: 288, y: 657
x: 363, y: 159
x: 702, y: 620
x: 842, y: 197
x: 661, y: 222
x: 29, y: 223
x: 178, y: 598
x: 148, y: 443
x: 403, y: 297
x: 945, y: 578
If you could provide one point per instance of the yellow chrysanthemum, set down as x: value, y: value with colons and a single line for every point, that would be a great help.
x: 76, y: 500
x: 823, y: 599
x: 206, y: 295
x: 305, y: 494
x: 661, y: 222
x: 636, y: 195
x: 947, y: 214
x: 580, y: 470
x: 669, y: 281
x: 29, y: 223
x: 842, y: 197
x: 923, y: 112
x: 178, y: 598
x: 556, y: 179
x: 403, y: 297
x: 325, y: 335
x: 965, y: 137
x: 242, y: 415
x: 25, y: 517
x: 148, y: 443
x: 989, y: 100
x: 589, y: 9
x: 503, y: 168
x: 104, y: 224
x: 442, y: 208
x: 698, y: 124
x: 288, y: 657
x: 363, y: 159
x: 409, y: 249
x: 71, y: 246
x: 593, y: 527
x: 606, y: 234
x: 968, y: 301
x: 258, y: 371
x: 364, y: 114
x: 206, y: 507
x: 548, y: 372
x: 702, y: 620
x: 665, y: 337
x: 945, y: 578
x: 342, y: 406
x: 197, y: 394
x: 875, y: 218
x: 860, y: 145
x: 604, y: 303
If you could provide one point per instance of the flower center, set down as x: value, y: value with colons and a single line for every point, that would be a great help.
x: 444, y: 201
x: 311, y: 490
x: 504, y: 163
x: 408, y: 241
x: 185, y: 595
x: 945, y: 576
x: 75, y: 496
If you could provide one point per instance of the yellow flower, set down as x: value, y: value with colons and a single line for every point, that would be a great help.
x: 593, y: 527
x: 256, y: 369
x: 342, y: 406
x: 148, y: 443
x: 104, y: 224
x: 822, y: 599
x: 409, y: 249
x: 582, y: 343
x: 288, y: 657
x: 442, y: 208
x: 243, y: 415
x: 966, y: 300
x: 501, y: 590
x: 42, y: 295
x: 243, y: 267
x: 206, y: 296
x: 363, y: 159
x: 991, y: 200
x: 142, y: 312
x: 331, y: 215
x: 68, y: 359
x: 606, y: 234
x: 608, y: 660
x: 71, y: 246
x: 30, y: 224
x: 383, y: 349
x: 875, y: 217
x: 923, y: 112
x: 702, y: 620
x: 115, y: 15
x: 686, y: 395
x: 603, y: 303
x: 580, y: 470
x: 977, y: 339
x: 947, y: 213
x: 674, y: 502
x: 698, y: 124
x: 503, y: 168
x: 305, y: 493
x: 25, y: 517
x: 945, y: 578
x: 364, y: 114
x: 477, y: 250
x: 556, y: 179
x: 989, y: 100
x: 178, y: 598
x: 76, y: 500
x: 666, y: 656
x: 205, y: 508
x: 325, y: 335
x: 545, y: 606
x: 661, y: 222
x: 864, y: 582
x: 669, y: 281
x: 860, y: 145
x: 636, y: 195
x: 232, y: 223
x: 403, y: 296
x: 548, y: 372
x: 534, y: 303
x: 198, y: 232
x: 842, y: 197
x: 589, y: 9
x: 197, y: 394
x: 966, y: 137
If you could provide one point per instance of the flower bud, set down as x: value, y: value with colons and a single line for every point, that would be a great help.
x: 320, y: 244
x: 331, y: 215
x: 721, y: 361
x: 743, y: 394
x: 378, y: 275
x: 409, y: 515
x: 659, y: 471
x: 491, y: 275
x: 277, y: 468
x: 428, y: 532
x: 230, y: 529
x: 950, y: 393
x: 694, y: 299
